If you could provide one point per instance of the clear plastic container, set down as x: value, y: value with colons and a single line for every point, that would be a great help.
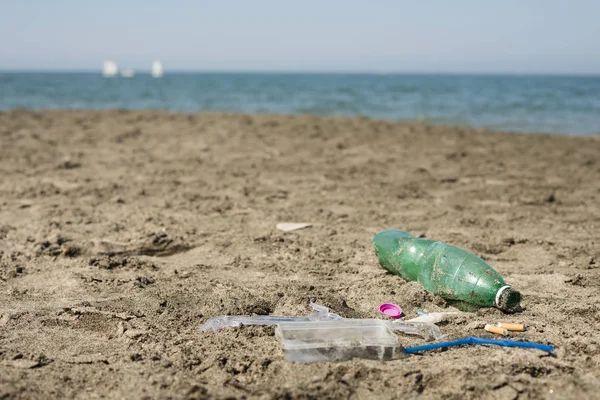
x: 338, y: 340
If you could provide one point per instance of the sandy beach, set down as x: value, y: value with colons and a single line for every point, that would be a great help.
x: 121, y: 232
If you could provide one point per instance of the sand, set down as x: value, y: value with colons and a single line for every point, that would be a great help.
x: 122, y: 232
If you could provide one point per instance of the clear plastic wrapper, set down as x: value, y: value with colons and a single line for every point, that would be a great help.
x: 227, y: 321
x: 433, y: 317
x: 427, y: 330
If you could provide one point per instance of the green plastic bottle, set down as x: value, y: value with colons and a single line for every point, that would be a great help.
x: 447, y: 271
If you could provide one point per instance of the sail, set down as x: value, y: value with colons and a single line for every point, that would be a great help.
x: 109, y: 69
x: 157, y: 69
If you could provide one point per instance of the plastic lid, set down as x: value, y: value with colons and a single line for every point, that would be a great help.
x: 391, y: 310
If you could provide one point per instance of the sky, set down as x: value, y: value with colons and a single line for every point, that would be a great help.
x: 459, y: 36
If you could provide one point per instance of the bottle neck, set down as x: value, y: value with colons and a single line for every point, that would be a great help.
x: 508, y: 299
x: 499, y: 294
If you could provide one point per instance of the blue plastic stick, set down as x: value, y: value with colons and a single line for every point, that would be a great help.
x: 476, y: 340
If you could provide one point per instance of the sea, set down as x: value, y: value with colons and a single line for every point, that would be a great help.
x: 568, y: 105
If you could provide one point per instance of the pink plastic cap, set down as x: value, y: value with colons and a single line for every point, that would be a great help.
x: 391, y: 310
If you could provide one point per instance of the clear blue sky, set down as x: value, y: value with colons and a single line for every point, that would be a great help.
x: 513, y: 36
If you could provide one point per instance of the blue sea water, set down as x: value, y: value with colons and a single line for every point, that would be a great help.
x: 560, y: 104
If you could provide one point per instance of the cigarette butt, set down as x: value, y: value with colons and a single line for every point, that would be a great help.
x: 496, y: 330
x: 511, y: 327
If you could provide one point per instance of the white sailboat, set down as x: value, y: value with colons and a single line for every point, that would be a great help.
x: 157, y: 69
x: 109, y: 69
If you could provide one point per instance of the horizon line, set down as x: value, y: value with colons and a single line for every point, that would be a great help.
x: 306, y: 71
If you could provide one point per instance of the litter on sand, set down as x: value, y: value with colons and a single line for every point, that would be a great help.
x: 338, y: 340
x: 292, y: 226
x: 433, y: 317
x: 511, y: 327
x: 391, y: 310
x: 496, y: 329
x: 475, y: 340
x: 228, y: 321
x: 326, y: 336
x: 475, y: 284
x: 426, y: 330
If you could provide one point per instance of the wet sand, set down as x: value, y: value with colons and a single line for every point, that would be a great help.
x: 122, y: 232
